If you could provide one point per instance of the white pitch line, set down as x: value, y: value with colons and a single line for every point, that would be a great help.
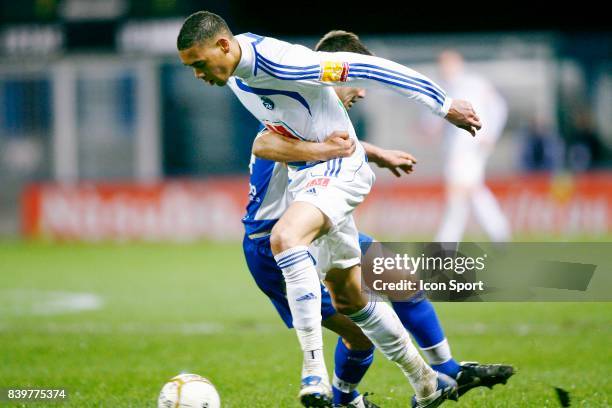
x: 47, y: 303
x: 138, y: 328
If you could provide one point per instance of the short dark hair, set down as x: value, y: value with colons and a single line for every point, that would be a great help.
x: 199, y: 27
x: 338, y: 40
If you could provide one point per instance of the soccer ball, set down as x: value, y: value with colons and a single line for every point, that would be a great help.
x: 188, y: 391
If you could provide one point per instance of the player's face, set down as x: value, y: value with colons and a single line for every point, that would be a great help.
x: 349, y: 96
x: 211, y: 61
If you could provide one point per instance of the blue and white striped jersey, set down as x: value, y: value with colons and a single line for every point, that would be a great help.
x: 288, y: 87
x: 267, y: 195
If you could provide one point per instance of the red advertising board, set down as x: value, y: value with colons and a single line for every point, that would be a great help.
x: 178, y: 211
x: 212, y: 209
x: 534, y: 205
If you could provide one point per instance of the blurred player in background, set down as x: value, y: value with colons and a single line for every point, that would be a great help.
x: 288, y: 88
x: 354, y: 352
x: 465, y: 158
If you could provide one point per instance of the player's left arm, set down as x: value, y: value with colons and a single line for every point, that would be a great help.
x: 396, y: 161
x: 300, y: 64
x: 350, y: 69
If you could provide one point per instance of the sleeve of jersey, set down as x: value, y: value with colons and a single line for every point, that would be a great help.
x: 297, y: 63
x: 349, y: 69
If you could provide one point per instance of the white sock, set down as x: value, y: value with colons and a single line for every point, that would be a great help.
x: 489, y: 215
x: 379, y: 322
x: 304, y: 296
x: 439, y: 353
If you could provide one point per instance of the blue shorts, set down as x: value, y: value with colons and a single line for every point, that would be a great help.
x: 269, y: 277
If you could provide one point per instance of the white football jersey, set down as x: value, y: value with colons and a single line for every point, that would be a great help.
x: 288, y: 87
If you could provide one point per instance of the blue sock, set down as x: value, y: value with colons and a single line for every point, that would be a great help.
x: 419, y: 317
x: 450, y: 368
x: 350, y: 367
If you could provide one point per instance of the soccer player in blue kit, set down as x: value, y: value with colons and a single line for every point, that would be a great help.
x: 354, y: 352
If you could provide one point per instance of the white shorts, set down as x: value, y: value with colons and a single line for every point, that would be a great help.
x: 338, y: 249
x: 335, y: 187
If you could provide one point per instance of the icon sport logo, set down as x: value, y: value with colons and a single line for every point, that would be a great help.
x: 334, y: 71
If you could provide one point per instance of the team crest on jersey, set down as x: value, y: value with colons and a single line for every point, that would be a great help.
x: 267, y: 102
x: 321, y: 182
x: 334, y: 71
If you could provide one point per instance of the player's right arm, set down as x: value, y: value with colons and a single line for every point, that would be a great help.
x: 273, y: 146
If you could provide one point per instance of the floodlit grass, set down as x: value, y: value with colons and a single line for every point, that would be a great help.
x: 111, y: 323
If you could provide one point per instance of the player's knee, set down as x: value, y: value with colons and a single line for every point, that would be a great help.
x: 282, y: 239
x: 347, y: 309
x: 347, y: 297
x: 348, y: 306
x: 351, y: 334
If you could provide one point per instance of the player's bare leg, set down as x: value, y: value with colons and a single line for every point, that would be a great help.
x: 489, y: 215
x: 459, y: 198
x: 291, y: 236
x: 379, y: 322
x: 351, y: 334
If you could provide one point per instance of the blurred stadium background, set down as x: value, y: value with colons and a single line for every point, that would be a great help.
x: 105, y: 136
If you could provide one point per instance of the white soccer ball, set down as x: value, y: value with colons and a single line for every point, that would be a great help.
x: 188, y: 391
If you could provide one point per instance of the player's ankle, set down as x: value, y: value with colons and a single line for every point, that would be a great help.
x: 344, y: 398
x: 428, y: 384
x: 450, y: 368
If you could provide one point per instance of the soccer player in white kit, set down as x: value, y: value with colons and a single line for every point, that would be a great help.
x: 466, y: 159
x: 288, y: 88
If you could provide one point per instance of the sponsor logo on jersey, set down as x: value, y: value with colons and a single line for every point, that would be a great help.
x: 267, y: 103
x: 334, y: 71
x: 282, y: 128
x: 312, y: 191
x: 321, y: 181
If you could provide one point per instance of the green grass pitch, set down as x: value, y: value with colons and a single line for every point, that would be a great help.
x: 149, y: 311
